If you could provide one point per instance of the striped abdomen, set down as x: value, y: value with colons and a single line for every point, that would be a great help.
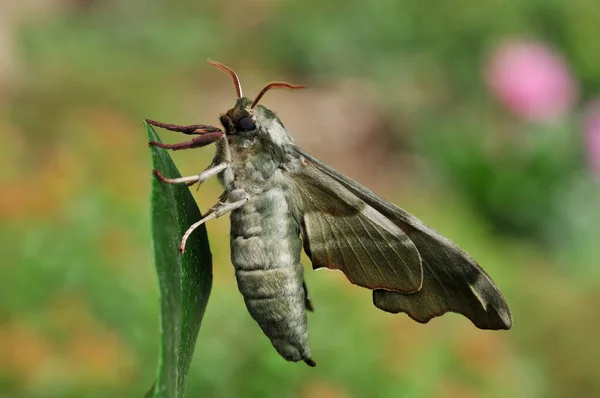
x: 265, y: 250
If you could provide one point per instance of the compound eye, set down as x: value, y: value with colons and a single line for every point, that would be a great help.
x: 245, y: 124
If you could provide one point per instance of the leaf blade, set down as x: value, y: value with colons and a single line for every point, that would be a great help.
x: 185, y: 281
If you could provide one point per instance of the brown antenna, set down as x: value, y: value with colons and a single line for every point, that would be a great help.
x: 234, y: 76
x: 273, y: 85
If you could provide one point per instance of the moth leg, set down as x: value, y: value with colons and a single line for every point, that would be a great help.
x: 220, y: 202
x: 206, y: 171
x: 191, y: 129
x: 197, y: 142
x: 307, y: 302
x: 205, y: 175
x: 219, y: 210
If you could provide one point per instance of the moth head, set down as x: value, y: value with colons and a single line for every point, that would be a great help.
x: 247, y: 117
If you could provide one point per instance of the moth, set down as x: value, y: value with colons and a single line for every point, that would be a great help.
x: 281, y: 199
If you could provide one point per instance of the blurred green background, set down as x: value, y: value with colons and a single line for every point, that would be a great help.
x: 479, y: 117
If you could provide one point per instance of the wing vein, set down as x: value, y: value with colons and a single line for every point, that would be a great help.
x: 327, y: 225
x: 384, y: 256
x: 365, y: 249
x: 337, y: 240
x: 371, y: 237
x: 362, y: 266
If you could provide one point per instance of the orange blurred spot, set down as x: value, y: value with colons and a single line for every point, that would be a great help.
x: 321, y: 389
x: 23, y: 351
x: 43, y: 191
x: 90, y: 351
x: 483, y: 351
x: 99, y: 355
x: 69, y: 313
x: 114, y: 244
x: 408, y: 341
x: 453, y: 389
x: 115, y: 144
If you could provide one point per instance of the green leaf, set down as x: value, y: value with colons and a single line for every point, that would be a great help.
x: 185, y: 280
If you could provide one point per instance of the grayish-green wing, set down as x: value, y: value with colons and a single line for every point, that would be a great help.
x: 341, y: 231
x: 452, y: 280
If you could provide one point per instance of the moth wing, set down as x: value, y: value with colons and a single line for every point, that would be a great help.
x: 452, y: 280
x: 340, y: 231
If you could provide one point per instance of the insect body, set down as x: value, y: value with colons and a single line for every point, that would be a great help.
x: 282, y: 199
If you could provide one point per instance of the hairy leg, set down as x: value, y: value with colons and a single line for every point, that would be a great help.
x: 191, y: 129
x: 216, y: 211
x: 205, y: 175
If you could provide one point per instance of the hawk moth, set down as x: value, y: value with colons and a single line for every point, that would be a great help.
x: 283, y: 200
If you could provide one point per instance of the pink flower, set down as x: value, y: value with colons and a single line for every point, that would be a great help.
x: 531, y: 80
x: 592, y: 132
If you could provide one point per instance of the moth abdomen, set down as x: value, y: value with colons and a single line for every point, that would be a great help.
x: 269, y: 283
x: 265, y: 251
x: 275, y: 299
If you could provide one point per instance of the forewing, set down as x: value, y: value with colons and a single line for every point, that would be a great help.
x: 452, y: 280
x: 341, y: 231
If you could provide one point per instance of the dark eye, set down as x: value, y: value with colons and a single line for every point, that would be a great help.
x: 245, y: 124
